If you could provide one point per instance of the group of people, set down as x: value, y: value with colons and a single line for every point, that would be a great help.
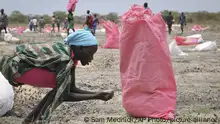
x: 34, y: 23
x: 170, y: 20
x: 90, y: 24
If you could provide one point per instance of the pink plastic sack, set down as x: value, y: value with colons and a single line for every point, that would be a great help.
x: 182, y: 41
x: 199, y: 28
x: 71, y: 6
x: 39, y: 77
x: 20, y: 30
x: 148, y: 83
x: 112, y: 35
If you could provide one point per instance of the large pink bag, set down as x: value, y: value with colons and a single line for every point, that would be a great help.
x: 71, y: 6
x: 148, y: 83
x: 112, y: 35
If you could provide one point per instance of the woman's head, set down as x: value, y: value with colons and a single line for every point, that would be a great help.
x: 84, y: 54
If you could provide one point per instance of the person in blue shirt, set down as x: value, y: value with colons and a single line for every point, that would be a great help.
x: 95, y: 23
x: 182, y: 21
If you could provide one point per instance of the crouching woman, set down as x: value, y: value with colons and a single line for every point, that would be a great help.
x: 53, y: 66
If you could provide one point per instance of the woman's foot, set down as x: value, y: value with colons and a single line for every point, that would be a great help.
x: 12, y: 113
x: 105, y: 96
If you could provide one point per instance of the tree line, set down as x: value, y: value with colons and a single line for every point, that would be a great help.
x: 16, y: 17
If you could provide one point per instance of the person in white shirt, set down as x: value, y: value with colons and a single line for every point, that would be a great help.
x: 35, y: 24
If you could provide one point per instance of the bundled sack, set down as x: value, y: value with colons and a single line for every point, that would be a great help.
x: 206, y: 46
x: 199, y: 28
x: 9, y: 38
x: 71, y: 6
x: 175, y: 50
x: 6, y: 96
x: 147, y: 78
x: 112, y: 35
x: 189, y: 40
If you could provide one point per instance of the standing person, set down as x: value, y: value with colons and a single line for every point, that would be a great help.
x: 89, y: 22
x: 58, y: 23
x: 70, y: 19
x: 95, y: 23
x: 65, y: 24
x: 3, y: 21
x: 182, y: 21
x: 35, y: 24
x: 146, y: 6
x: 169, y: 21
x: 31, y: 24
x: 53, y: 23
x: 41, y: 23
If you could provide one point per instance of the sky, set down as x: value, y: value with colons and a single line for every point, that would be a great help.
x: 105, y: 6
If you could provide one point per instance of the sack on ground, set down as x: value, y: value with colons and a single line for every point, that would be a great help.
x: 147, y: 78
x: 112, y: 35
x: 6, y: 96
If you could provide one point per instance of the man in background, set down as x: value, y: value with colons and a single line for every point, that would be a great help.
x: 53, y: 23
x: 70, y: 18
x: 41, y: 24
x: 31, y: 24
x: 35, y: 23
x: 169, y: 21
x: 89, y: 22
x: 65, y: 24
x: 146, y: 6
x: 182, y: 21
x: 3, y: 21
x: 58, y: 23
x: 95, y: 23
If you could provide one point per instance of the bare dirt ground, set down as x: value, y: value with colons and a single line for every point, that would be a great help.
x: 197, y: 78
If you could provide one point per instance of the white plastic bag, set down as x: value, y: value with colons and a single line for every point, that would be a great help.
x: 6, y: 96
x: 175, y: 50
x: 199, y: 36
x: 27, y: 30
x: 206, y: 46
x: 9, y: 37
x: 63, y: 35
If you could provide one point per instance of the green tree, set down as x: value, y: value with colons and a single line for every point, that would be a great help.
x: 18, y: 17
x: 47, y: 19
x: 61, y: 14
x: 112, y: 17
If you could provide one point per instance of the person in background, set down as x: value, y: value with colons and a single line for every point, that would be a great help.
x: 65, y: 24
x: 31, y: 24
x: 35, y: 23
x: 182, y: 21
x: 53, y: 23
x: 95, y: 23
x: 3, y: 21
x: 89, y: 22
x: 169, y: 21
x: 41, y: 24
x: 70, y: 22
x: 146, y: 6
x: 58, y: 23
